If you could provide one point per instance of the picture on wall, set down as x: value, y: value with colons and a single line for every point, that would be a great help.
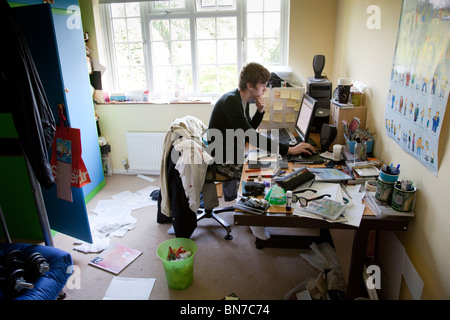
x: 419, y: 88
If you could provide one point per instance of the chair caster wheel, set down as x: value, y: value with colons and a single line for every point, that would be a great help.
x: 228, y: 237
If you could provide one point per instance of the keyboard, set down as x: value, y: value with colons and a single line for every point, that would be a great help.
x: 306, y: 159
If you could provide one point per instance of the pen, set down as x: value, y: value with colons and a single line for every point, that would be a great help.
x: 262, y: 176
x: 280, y: 173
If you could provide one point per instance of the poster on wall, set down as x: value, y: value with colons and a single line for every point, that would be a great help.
x: 419, y: 87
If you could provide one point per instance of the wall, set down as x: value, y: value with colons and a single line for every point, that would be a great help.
x: 117, y: 119
x: 367, y: 55
x: 311, y: 32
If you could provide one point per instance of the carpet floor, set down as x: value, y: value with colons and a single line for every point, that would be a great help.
x: 221, y: 267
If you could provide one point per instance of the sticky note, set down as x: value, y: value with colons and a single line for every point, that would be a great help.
x: 295, y: 94
x: 285, y: 94
x: 290, y: 117
x: 277, y: 117
x: 278, y: 105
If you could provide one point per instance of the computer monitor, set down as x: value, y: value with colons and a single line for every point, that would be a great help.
x: 305, y: 117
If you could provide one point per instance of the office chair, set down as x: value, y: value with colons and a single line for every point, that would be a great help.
x: 211, y: 177
x: 189, y: 128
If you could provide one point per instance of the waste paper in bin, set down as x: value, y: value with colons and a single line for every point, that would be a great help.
x: 179, y: 273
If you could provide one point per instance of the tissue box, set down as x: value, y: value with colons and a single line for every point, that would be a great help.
x: 356, y: 97
x: 351, y: 145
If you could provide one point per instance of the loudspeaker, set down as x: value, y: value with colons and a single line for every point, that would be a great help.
x: 327, y: 136
x: 318, y: 65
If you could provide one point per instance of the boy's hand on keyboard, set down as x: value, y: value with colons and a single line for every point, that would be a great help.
x: 301, y: 148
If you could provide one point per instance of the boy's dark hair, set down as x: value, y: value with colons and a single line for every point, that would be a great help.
x: 254, y: 73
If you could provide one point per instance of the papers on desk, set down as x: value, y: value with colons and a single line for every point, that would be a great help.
x: 355, y: 208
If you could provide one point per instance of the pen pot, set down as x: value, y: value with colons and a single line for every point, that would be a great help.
x: 386, y: 177
x: 384, y: 190
x: 403, y: 200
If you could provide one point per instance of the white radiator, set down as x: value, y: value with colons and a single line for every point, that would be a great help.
x: 145, y: 151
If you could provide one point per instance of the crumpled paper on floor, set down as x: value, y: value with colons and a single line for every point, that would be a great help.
x: 324, y: 258
x: 113, y: 218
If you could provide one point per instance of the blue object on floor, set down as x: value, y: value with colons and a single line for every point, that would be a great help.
x: 49, y: 285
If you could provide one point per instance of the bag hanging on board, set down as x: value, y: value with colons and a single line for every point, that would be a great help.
x: 66, y: 154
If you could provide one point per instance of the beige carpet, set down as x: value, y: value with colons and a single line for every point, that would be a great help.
x: 221, y: 267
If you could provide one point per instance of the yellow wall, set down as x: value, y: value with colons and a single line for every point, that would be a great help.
x: 367, y: 55
x: 311, y: 32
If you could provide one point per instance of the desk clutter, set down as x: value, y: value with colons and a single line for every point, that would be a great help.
x: 301, y: 193
x: 384, y: 193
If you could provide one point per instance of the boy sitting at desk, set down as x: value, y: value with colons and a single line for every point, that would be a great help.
x: 231, y: 115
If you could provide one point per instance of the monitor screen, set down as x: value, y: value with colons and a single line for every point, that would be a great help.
x: 305, y: 117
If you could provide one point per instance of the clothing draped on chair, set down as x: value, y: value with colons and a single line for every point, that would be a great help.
x: 183, y: 170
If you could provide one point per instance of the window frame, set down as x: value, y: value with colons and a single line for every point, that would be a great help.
x: 147, y: 14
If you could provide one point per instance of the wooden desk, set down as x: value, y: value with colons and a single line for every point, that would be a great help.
x: 278, y: 217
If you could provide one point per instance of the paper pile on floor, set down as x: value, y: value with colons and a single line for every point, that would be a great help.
x: 330, y: 280
x: 113, y: 218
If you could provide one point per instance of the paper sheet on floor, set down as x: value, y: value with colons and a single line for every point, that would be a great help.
x: 122, y: 288
x: 113, y: 218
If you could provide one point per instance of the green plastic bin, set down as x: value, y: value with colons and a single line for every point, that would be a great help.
x: 179, y: 274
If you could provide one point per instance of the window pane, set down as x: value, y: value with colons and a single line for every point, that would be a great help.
x: 177, y: 4
x: 208, y: 3
x: 161, y: 5
x: 255, y: 5
x: 132, y: 9
x: 136, y: 54
x: 206, y: 51
x: 211, y: 5
x: 163, y: 79
x: 272, y: 25
x: 272, y: 5
x: 134, y: 29
x: 255, y: 25
x: 226, y: 51
x: 120, y: 30
x: 226, y: 28
x: 183, y: 79
x: 137, y: 80
x: 181, y: 52
x: 122, y: 54
x: 131, y: 78
x: 160, y: 30
x: 227, y: 78
x: 221, y: 3
x: 208, y: 79
x: 272, y: 50
x: 161, y: 53
x: 180, y: 29
x: 206, y: 28
x: 255, y: 49
x: 117, y: 10
x: 172, y: 4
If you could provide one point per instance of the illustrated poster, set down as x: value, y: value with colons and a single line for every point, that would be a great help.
x: 419, y: 88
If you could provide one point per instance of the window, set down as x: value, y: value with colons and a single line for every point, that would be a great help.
x: 190, y: 47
